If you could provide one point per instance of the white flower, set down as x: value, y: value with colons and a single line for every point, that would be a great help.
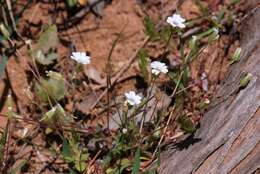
x: 158, y: 67
x: 132, y: 98
x: 176, y: 21
x: 124, y: 130
x: 80, y: 57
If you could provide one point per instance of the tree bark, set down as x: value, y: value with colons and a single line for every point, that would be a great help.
x: 228, y: 139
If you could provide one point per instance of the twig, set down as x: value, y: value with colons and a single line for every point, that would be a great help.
x: 177, y: 85
x: 189, y: 86
x: 125, y: 78
x: 191, y: 32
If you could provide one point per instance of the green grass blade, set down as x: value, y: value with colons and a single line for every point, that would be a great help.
x: 137, y: 162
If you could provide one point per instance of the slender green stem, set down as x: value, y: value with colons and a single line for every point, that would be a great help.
x: 109, y: 69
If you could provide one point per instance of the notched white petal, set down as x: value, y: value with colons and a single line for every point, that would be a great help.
x: 132, y: 98
x: 81, y: 57
x: 176, y: 21
x: 158, y: 67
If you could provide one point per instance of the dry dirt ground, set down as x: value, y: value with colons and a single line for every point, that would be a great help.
x: 95, y: 35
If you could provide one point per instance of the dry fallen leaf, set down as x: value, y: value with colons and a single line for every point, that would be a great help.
x: 86, y: 104
x: 92, y: 73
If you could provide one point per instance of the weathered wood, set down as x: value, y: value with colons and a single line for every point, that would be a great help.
x: 228, y: 140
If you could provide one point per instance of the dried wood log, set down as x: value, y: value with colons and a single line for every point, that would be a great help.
x: 228, y: 140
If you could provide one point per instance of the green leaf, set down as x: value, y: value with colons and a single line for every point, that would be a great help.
x: 80, y: 158
x: 49, y: 116
x: 72, y: 153
x: 206, y: 33
x: 54, y: 88
x: 67, y: 152
x: 110, y: 170
x: 186, y: 124
x: 137, y: 162
x: 80, y: 165
x: 150, y: 28
x: 52, y: 56
x: 44, y: 60
x: 213, y: 36
x: 57, y: 113
x: 3, y: 63
x: 193, y: 46
x: 125, y: 163
x: 54, y: 75
x: 143, y: 62
x: 44, y: 52
x: 236, y: 56
x: 42, y: 91
x: 48, y: 39
x: 185, y: 76
x: 244, y: 80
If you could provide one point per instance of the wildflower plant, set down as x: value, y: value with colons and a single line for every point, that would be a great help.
x: 151, y: 71
x: 137, y: 138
